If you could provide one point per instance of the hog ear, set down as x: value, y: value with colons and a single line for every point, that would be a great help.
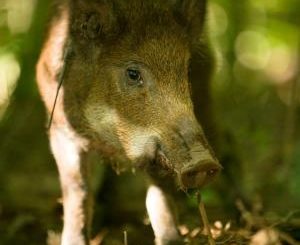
x: 190, y: 13
x: 91, y: 19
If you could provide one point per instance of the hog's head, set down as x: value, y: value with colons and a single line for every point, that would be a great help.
x: 127, y: 85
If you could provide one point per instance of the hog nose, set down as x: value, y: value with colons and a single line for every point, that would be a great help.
x: 199, y: 174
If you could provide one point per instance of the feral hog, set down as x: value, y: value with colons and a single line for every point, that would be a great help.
x: 116, y: 76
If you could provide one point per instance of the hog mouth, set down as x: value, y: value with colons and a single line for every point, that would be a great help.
x: 157, y: 166
x: 189, y: 176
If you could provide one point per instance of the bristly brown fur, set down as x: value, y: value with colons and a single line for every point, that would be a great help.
x: 115, y: 77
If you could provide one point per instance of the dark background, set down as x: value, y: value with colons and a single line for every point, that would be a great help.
x: 255, y: 93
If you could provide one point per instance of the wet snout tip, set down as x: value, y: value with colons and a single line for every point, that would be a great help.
x: 199, y: 174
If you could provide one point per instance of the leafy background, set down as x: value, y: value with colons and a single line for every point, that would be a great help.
x: 255, y: 102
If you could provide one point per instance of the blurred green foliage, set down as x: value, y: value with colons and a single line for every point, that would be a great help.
x: 256, y: 105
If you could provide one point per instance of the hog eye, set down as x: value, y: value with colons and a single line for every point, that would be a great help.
x: 134, y: 77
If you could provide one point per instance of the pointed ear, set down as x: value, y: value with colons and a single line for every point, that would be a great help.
x: 190, y: 13
x: 91, y: 19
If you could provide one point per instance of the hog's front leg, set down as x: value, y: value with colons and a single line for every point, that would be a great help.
x: 69, y: 155
x: 162, y: 217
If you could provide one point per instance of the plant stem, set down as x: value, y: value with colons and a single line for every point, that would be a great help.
x: 125, y: 238
x: 205, y: 221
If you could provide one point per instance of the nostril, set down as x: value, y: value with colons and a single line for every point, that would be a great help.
x: 199, y: 174
x: 212, y: 172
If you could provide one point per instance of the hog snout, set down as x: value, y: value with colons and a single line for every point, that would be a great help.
x: 201, y: 168
x: 199, y: 174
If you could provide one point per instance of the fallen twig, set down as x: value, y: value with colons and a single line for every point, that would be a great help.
x: 125, y: 238
x: 205, y: 221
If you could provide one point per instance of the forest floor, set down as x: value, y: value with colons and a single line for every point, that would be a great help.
x: 31, y: 214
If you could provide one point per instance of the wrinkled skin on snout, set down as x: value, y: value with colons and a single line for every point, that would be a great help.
x: 132, y: 95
